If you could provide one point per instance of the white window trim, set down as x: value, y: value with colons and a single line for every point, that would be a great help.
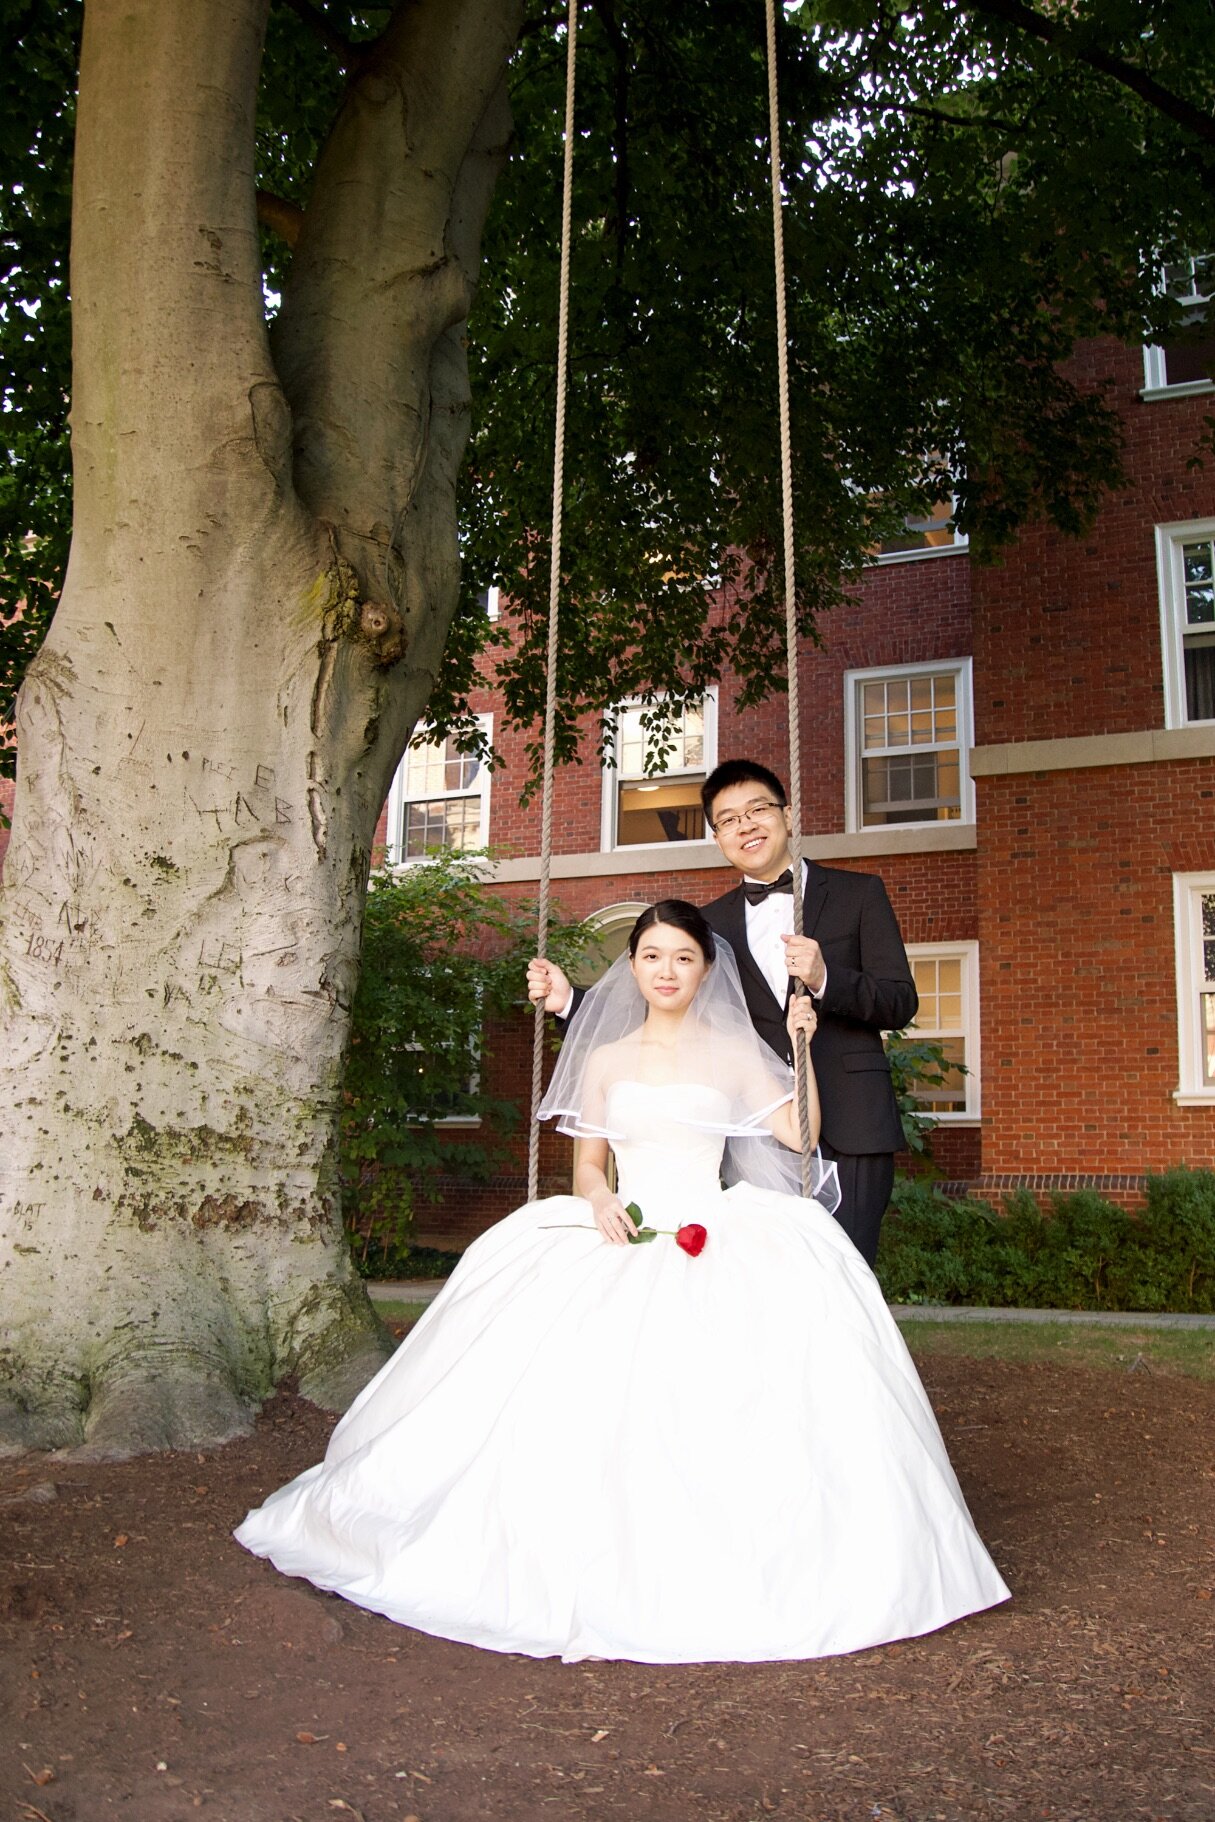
x: 968, y: 951
x: 959, y: 548
x: 607, y: 820
x: 1156, y: 386
x: 397, y: 800
x: 1155, y: 370
x: 1191, y: 1090
x: 1170, y: 578
x: 852, y: 750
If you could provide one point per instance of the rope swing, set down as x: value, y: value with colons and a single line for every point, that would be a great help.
x: 550, y: 700
x: 554, y: 590
x: 786, y: 483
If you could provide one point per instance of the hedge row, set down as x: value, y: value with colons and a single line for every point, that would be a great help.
x: 1082, y: 1253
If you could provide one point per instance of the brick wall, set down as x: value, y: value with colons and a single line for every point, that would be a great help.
x: 1077, y: 968
x: 1067, y: 630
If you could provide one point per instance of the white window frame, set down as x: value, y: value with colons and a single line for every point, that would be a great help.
x: 1155, y: 363
x: 607, y: 836
x: 1170, y: 575
x: 853, y: 794
x: 1188, y: 891
x: 968, y: 954
x: 397, y: 801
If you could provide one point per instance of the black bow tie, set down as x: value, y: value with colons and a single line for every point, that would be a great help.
x: 757, y: 890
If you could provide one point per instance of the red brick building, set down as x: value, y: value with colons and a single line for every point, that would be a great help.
x: 1025, y: 753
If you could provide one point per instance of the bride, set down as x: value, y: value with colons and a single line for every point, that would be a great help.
x: 671, y: 1423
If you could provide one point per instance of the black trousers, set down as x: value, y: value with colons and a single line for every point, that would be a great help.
x: 866, y: 1180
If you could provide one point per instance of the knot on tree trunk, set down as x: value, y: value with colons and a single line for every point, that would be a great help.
x: 382, y: 630
x: 374, y: 625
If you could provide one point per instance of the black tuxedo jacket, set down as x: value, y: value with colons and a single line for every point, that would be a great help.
x: 869, y: 990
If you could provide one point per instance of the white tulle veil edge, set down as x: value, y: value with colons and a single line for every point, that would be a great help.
x: 718, y: 1048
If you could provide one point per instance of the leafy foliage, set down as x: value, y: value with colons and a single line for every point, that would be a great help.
x: 964, y: 202
x: 1085, y: 1253
x: 37, y: 118
x: 917, y: 1063
x: 443, y: 958
x: 970, y: 188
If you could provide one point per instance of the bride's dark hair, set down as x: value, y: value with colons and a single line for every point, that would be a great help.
x: 685, y: 917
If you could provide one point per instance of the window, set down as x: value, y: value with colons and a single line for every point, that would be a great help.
x: 1185, y: 562
x: 1191, y: 284
x: 643, y: 806
x: 908, y: 731
x: 459, y: 1065
x: 947, y: 981
x: 1194, y: 929
x: 439, y: 799
x: 926, y: 537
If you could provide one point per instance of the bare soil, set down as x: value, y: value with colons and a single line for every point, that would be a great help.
x: 150, y: 1669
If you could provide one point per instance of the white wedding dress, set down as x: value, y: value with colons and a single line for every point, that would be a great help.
x: 589, y: 1450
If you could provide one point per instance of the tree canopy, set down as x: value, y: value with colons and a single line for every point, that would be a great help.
x: 971, y: 188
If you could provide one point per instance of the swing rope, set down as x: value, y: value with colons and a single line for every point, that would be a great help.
x: 554, y: 589
x: 550, y: 699
x: 786, y: 476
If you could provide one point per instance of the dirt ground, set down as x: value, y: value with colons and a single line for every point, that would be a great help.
x: 152, y: 1670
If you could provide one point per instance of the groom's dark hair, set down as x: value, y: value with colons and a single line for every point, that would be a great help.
x: 739, y: 771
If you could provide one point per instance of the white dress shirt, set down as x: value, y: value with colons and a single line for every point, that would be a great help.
x: 767, y: 921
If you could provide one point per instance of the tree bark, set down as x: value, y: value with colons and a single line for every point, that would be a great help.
x: 263, y: 571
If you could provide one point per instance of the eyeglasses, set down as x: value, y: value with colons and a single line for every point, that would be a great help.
x: 762, y: 808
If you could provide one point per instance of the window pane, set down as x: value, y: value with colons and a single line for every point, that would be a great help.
x: 1199, y: 570
x: 460, y: 772
x: 919, y: 787
x: 454, y: 823
x: 438, y: 766
x: 659, y: 812
x: 424, y: 769
x: 938, y: 981
x: 1208, y: 1039
x: 1199, y: 660
x: 684, y: 744
x: 948, y: 1096
x: 924, y: 533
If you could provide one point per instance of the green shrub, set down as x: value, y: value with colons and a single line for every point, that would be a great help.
x: 442, y: 956
x: 1083, y: 1253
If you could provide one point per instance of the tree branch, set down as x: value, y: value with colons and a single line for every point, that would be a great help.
x: 382, y: 275
x: 280, y: 216
x: 1065, y: 38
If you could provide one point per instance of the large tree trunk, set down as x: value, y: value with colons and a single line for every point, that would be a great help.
x: 263, y: 571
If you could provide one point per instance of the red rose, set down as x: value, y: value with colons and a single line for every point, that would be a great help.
x: 692, y: 1238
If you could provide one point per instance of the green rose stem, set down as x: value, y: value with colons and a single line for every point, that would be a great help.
x: 690, y: 1237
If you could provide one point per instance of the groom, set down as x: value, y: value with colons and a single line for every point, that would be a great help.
x: 851, y: 958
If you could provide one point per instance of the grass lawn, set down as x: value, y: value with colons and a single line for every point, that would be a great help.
x: 1187, y: 1352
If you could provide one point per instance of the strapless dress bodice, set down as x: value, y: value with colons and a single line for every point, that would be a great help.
x: 668, y: 1155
